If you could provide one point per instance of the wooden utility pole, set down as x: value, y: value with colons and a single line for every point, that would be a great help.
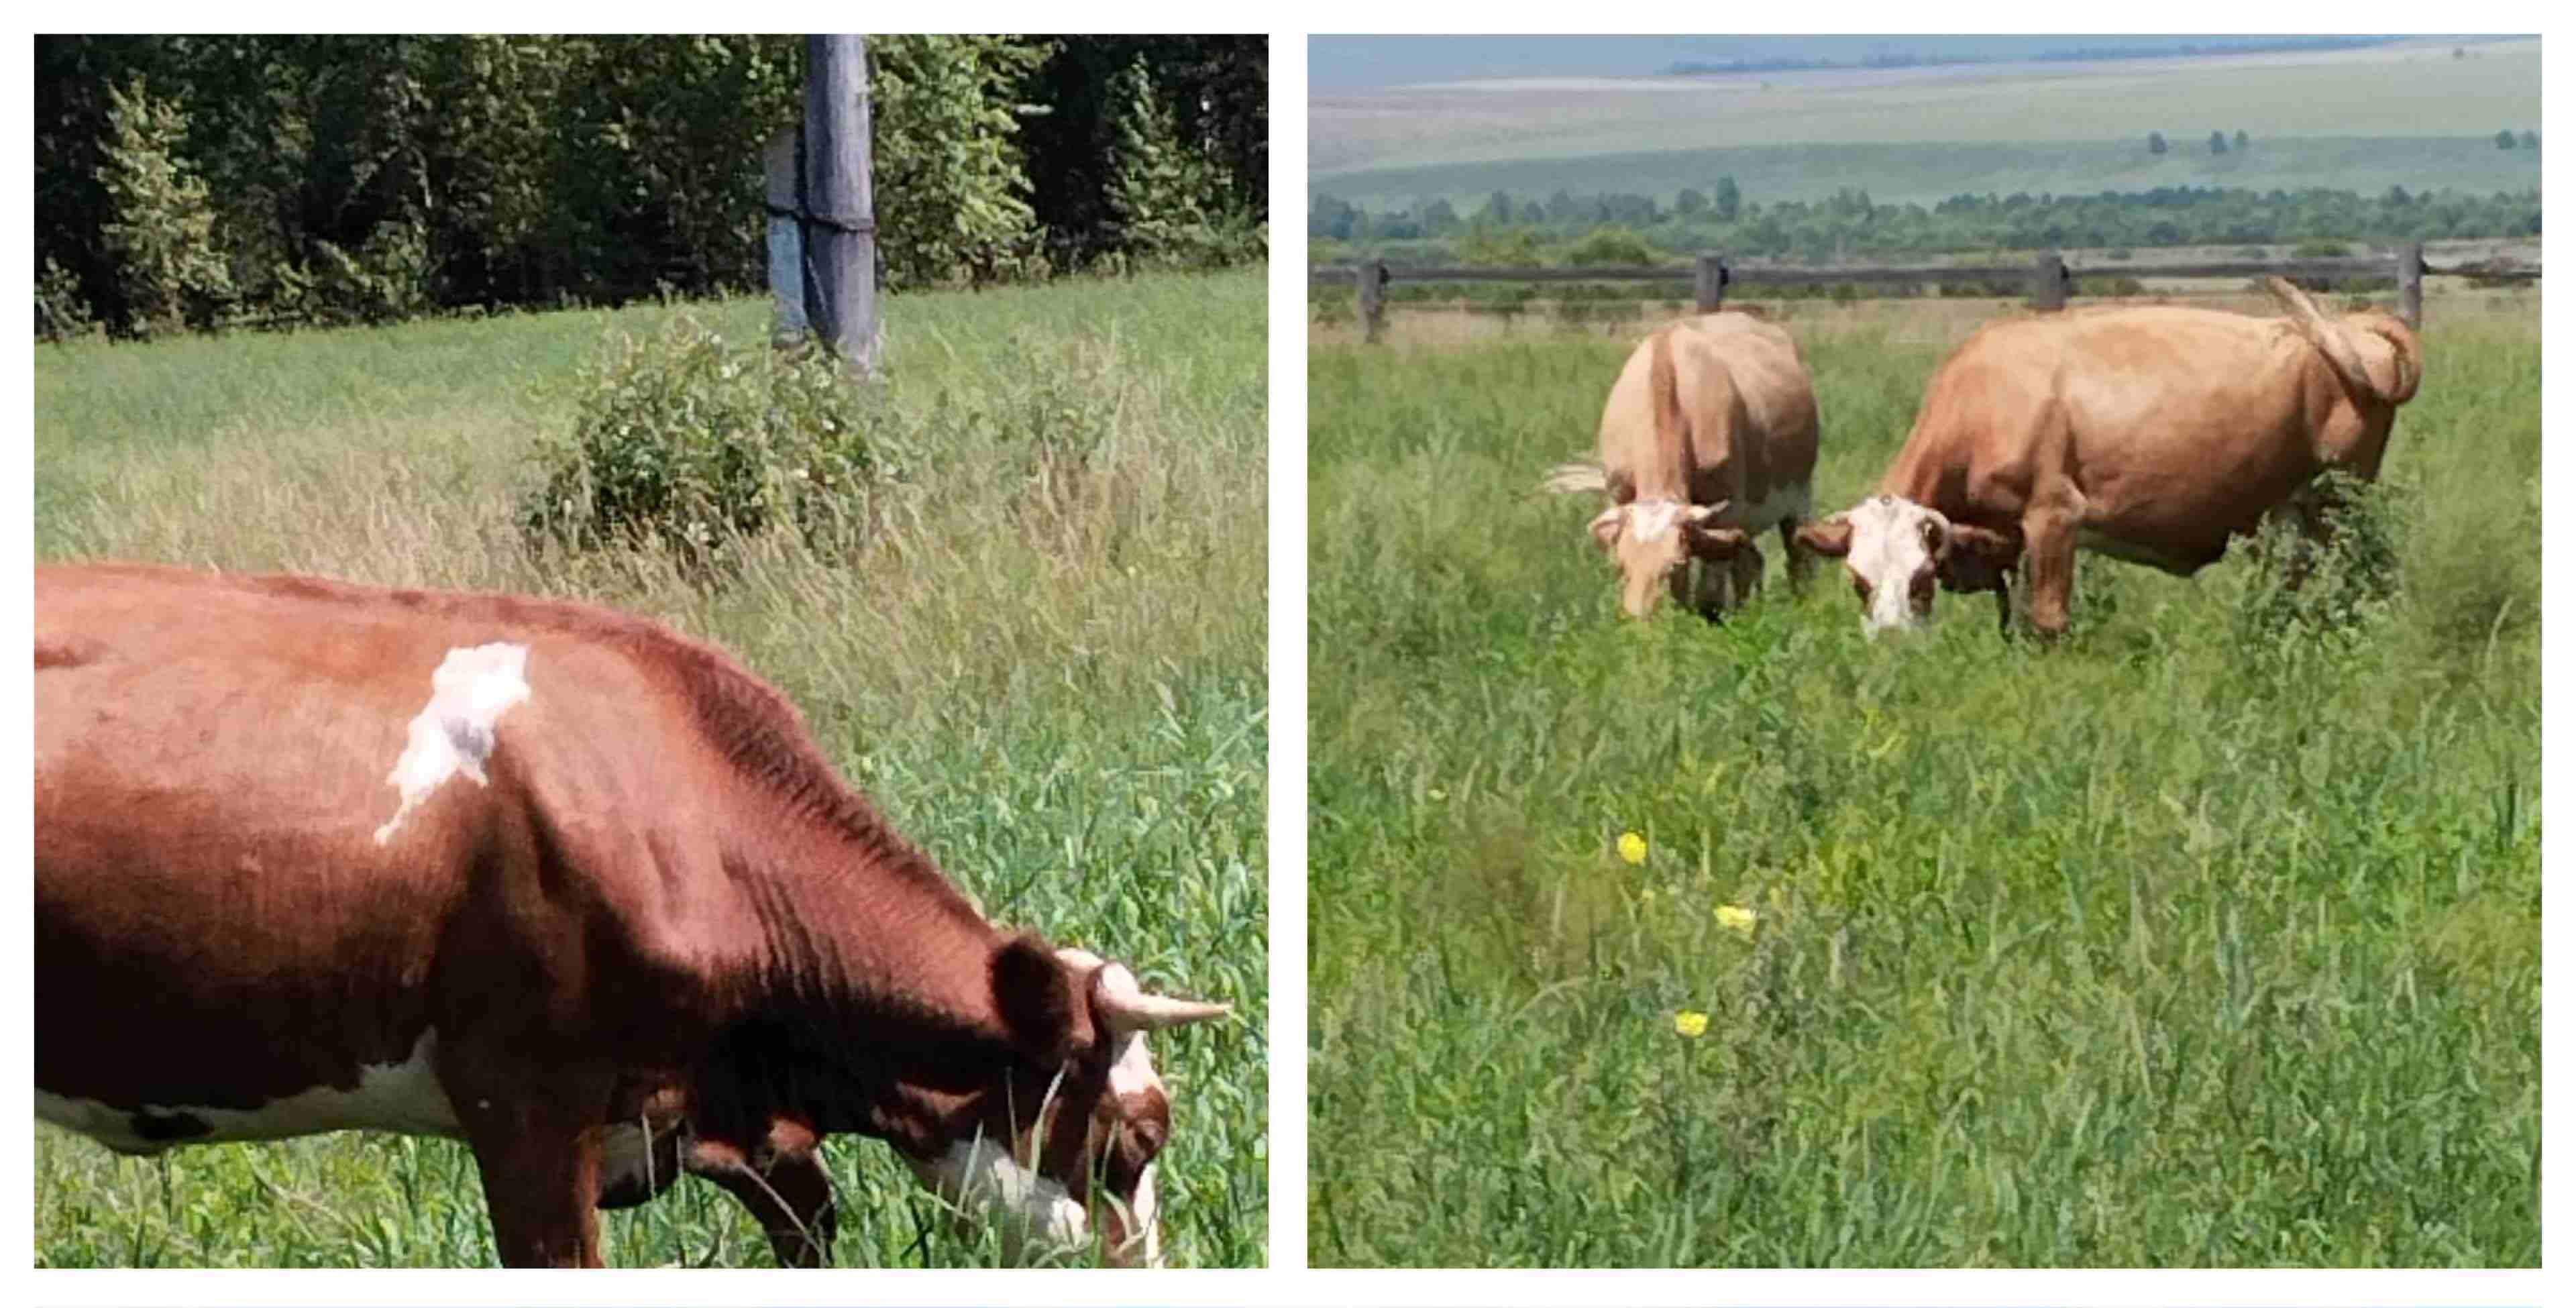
x: 837, y: 202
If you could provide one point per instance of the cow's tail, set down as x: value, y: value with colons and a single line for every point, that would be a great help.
x: 1568, y: 478
x: 2328, y: 336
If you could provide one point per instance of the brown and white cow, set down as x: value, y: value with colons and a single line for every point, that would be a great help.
x: 2151, y: 434
x: 547, y: 878
x: 1708, y: 438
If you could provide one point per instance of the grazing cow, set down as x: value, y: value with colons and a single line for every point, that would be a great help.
x: 1708, y: 438
x: 550, y: 879
x: 2151, y: 434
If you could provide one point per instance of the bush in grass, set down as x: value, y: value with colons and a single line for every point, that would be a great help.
x: 687, y: 441
x: 2348, y: 583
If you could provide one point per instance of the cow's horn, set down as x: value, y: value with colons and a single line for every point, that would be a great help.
x: 1127, y: 1005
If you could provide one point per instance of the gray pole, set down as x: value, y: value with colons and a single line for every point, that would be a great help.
x: 2410, y: 285
x: 841, y: 229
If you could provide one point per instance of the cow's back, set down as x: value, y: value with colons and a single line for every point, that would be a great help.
x: 285, y: 827
x: 2174, y: 425
x: 1746, y: 398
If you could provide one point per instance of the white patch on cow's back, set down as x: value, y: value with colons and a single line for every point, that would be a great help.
x: 403, y: 1097
x: 468, y: 693
x: 982, y: 1173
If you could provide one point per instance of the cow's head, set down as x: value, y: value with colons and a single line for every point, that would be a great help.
x: 1078, y: 1141
x: 1896, y: 551
x: 1653, y: 542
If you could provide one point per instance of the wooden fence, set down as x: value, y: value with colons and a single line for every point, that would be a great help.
x: 2051, y: 282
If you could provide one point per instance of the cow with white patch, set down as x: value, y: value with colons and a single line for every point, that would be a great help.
x: 1707, y: 440
x: 2152, y: 434
x: 550, y: 879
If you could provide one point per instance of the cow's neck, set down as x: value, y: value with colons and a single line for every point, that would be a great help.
x: 878, y: 1010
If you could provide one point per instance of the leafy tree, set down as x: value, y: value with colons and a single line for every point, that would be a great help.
x: 1727, y: 201
x: 2155, y: 143
x: 1498, y: 209
x: 2241, y: 140
x: 1169, y: 205
x: 160, y: 233
x: 2504, y: 139
x: 2217, y: 142
x: 1690, y: 203
x: 951, y: 199
x: 2530, y: 140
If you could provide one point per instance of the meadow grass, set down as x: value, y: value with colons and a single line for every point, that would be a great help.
x: 2185, y: 941
x: 1053, y: 686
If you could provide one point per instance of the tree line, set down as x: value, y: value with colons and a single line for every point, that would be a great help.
x: 1626, y: 228
x: 199, y: 182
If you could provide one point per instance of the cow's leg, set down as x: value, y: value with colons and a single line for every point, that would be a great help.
x: 537, y: 1143
x: 1797, y: 559
x: 2048, y: 535
x: 1747, y: 567
x: 540, y: 1165
x: 789, y: 1193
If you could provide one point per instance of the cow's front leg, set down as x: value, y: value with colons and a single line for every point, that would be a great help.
x: 538, y: 1148
x: 2048, y: 536
x: 785, y: 1187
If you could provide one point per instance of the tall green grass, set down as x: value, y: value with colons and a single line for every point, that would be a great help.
x: 1055, y: 688
x: 2177, y: 943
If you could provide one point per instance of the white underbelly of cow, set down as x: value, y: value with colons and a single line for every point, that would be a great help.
x: 402, y: 1097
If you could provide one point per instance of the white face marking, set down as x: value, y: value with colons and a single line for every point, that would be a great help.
x: 1653, y: 519
x: 468, y: 694
x: 403, y: 1097
x: 1887, y: 550
x: 982, y: 1173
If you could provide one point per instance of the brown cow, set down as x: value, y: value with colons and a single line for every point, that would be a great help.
x: 1709, y: 437
x: 553, y: 880
x: 2151, y: 434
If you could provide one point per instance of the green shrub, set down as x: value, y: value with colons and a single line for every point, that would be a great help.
x: 2346, y: 583
x: 2319, y: 250
x: 1610, y: 245
x: 685, y: 441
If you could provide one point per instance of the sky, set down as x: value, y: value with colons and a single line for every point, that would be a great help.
x: 1351, y: 63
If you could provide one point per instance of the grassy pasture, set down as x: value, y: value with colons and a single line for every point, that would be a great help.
x: 1389, y: 144
x: 1059, y: 695
x: 2172, y: 944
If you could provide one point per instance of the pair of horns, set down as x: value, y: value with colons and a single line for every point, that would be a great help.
x: 1117, y: 996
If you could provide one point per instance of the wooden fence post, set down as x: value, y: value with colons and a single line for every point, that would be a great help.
x: 2049, y: 282
x: 1372, y: 280
x: 1710, y: 284
x: 779, y: 168
x: 839, y: 200
x: 2410, y: 285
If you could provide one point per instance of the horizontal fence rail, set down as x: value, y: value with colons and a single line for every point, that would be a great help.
x: 2050, y: 280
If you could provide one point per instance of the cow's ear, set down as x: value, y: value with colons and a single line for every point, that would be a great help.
x: 1975, y: 558
x: 1719, y: 543
x: 1832, y: 536
x: 1034, y: 992
x: 1606, y: 528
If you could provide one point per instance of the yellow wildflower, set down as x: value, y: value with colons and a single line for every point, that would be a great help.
x: 1632, y: 847
x: 1738, y: 920
x: 1690, y: 1024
